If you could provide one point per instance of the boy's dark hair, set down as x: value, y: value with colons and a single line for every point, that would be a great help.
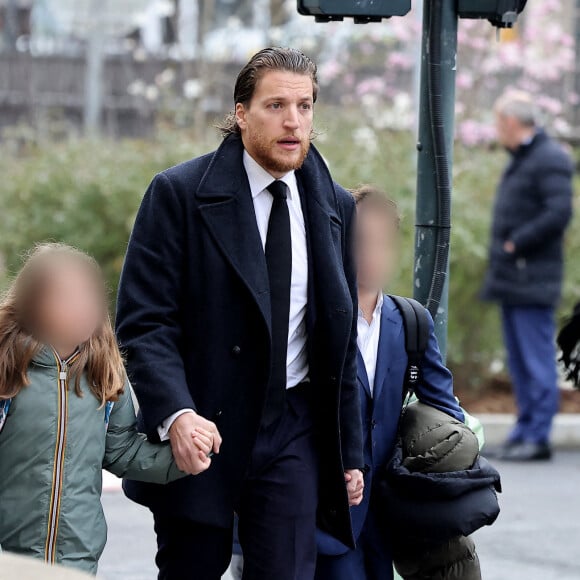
x: 372, y: 195
x: 268, y: 59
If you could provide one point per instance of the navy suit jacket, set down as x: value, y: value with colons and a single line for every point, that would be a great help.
x: 193, y: 318
x: 381, y: 411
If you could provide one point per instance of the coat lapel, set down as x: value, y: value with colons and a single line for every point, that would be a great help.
x: 311, y: 309
x: 363, y: 378
x: 325, y: 229
x: 390, y: 325
x: 226, y: 206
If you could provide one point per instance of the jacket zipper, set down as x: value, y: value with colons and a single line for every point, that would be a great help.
x: 59, y: 453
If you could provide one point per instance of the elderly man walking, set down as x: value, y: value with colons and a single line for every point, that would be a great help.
x: 532, y: 209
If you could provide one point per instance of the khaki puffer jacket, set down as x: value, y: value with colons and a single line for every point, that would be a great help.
x: 434, y: 443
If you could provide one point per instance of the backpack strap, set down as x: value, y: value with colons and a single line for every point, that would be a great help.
x: 108, y: 409
x: 416, y: 325
x: 4, y: 407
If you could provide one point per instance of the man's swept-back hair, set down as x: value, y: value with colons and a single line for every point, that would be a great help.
x: 378, y: 200
x: 519, y: 105
x: 268, y: 59
x: 99, y: 357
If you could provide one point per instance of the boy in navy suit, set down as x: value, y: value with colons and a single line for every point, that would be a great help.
x: 382, y: 362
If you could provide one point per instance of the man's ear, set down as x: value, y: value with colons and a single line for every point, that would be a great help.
x: 241, y: 116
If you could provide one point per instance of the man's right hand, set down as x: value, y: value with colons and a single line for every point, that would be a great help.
x: 189, y: 436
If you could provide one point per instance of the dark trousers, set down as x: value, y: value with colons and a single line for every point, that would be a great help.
x: 369, y: 561
x: 277, y: 511
x: 529, y: 335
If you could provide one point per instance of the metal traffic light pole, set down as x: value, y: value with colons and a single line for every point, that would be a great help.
x: 436, y: 125
x: 434, y: 162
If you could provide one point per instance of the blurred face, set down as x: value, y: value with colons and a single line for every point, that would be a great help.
x: 376, y: 247
x: 71, y: 306
x: 508, y: 130
x: 276, y: 124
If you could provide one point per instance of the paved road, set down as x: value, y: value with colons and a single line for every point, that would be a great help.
x: 536, y: 538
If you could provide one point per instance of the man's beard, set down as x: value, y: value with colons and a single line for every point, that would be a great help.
x: 263, y: 154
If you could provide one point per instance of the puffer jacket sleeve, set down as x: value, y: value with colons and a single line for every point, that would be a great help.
x: 554, y: 192
x: 128, y: 454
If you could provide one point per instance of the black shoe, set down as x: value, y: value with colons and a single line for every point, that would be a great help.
x: 499, y: 451
x: 528, y: 452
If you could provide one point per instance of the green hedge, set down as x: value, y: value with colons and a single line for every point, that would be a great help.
x: 87, y: 192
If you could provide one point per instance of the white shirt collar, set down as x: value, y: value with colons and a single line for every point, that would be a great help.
x: 378, y: 308
x: 260, y: 179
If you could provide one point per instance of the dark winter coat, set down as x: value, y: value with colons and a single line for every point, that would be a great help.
x: 194, y: 320
x: 533, y: 206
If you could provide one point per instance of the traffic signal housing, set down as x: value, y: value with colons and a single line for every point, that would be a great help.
x: 361, y: 10
x: 501, y: 13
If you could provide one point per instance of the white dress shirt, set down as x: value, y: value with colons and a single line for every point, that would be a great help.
x: 296, y: 359
x: 368, y: 340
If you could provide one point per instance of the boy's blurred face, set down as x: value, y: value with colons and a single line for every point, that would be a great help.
x: 376, y: 246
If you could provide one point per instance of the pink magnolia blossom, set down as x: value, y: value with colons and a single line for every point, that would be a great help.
x: 538, y: 59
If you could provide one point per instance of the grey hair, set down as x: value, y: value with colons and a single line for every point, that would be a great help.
x: 520, y: 106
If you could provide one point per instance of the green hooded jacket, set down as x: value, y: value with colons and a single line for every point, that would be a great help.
x: 53, y: 447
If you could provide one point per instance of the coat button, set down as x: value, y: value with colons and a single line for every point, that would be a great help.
x: 236, y: 350
x: 373, y: 424
x: 333, y: 379
x: 219, y: 413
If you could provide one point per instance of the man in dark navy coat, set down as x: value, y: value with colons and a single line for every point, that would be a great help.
x: 532, y: 210
x: 237, y: 311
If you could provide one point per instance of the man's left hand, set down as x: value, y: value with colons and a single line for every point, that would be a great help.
x: 355, y: 485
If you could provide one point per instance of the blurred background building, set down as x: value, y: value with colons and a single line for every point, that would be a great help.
x: 67, y: 56
x: 110, y: 65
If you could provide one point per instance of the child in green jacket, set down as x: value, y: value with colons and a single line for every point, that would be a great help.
x: 65, y: 412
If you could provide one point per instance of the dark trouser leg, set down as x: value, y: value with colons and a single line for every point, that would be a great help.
x: 349, y: 566
x: 533, y: 331
x: 518, y: 373
x: 378, y: 557
x: 538, y: 332
x: 277, y: 508
x: 371, y: 560
x: 191, y: 551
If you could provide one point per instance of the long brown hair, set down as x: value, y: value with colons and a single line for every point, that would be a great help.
x: 99, y: 357
x: 267, y: 59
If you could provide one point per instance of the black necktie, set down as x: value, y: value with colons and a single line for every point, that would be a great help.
x: 279, y: 263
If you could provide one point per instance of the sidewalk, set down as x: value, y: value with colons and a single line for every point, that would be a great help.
x: 565, y: 435
x: 535, y: 537
x: 12, y: 567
